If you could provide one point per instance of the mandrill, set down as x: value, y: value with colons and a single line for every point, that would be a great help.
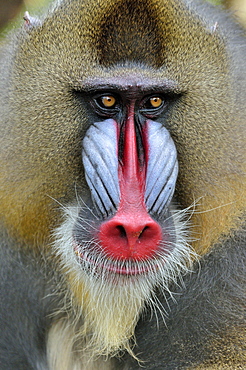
x: 122, y: 188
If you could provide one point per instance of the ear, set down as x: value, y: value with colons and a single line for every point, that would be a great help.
x: 30, y: 22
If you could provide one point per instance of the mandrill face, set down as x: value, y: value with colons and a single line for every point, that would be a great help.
x: 127, y: 226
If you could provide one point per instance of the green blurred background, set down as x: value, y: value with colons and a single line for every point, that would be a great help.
x: 12, y: 11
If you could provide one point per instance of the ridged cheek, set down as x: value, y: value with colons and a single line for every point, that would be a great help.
x: 100, y: 160
x: 162, y: 167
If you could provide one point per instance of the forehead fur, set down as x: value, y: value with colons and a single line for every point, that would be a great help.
x: 119, y: 31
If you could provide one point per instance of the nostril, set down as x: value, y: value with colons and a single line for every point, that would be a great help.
x: 122, y: 231
x: 142, y: 234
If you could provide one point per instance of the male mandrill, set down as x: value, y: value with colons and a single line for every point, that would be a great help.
x: 122, y: 185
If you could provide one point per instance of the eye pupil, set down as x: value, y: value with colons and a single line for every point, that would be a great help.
x: 155, y: 102
x: 108, y: 101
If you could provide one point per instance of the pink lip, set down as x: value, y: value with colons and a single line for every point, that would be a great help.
x: 130, y: 271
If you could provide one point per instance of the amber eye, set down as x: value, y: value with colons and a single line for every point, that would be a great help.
x: 107, y: 101
x: 155, y: 102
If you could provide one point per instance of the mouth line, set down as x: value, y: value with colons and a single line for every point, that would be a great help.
x: 134, y: 268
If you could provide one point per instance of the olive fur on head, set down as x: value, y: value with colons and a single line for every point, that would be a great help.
x: 122, y: 188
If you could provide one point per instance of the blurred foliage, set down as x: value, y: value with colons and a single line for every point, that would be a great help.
x: 215, y: 2
x: 12, y: 11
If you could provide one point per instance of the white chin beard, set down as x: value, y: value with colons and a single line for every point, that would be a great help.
x: 110, y: 304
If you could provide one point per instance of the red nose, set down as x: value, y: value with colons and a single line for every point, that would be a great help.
x: 131, y: 233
